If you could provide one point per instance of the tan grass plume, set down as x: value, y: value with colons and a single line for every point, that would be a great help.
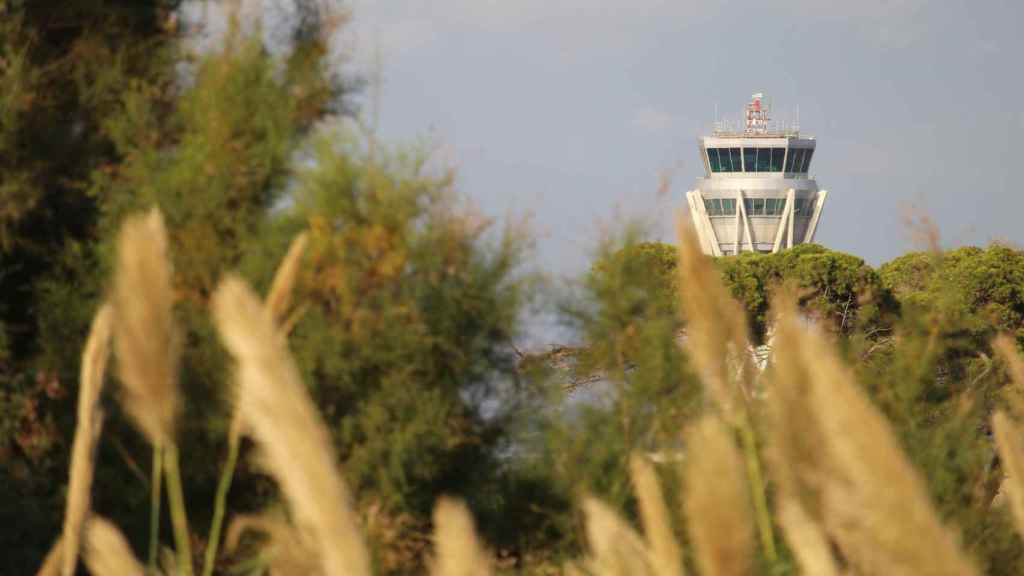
x: 457, y: 549
x: 807, y: 540
x: 288, y: 552
x: 661, y: 542
x: 145, y: 335
x: 716, y: 327
x: 834, y: 456
x: 717, y: 502
x: 107, y: 552
x: 52, y: 563
x: 87, y: 430
x: 615, y: 548
x: 279, y: 414
x: 279, y: 299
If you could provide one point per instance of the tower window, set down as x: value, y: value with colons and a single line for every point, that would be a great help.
x: 717, y: 207
x: 789, y: 159
x: 750, y: 159
x: 807, y: 159
x: 777, y: 155
x: 737, y: 162
x: 713, y: 207
x: 729, y: 204
x: 713, y: 160
x: 754, y: 206
x: 798, y: 159
x: 764, y: 159
x: 723, y: 160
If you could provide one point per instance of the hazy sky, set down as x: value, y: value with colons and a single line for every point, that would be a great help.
x: 570, y: 110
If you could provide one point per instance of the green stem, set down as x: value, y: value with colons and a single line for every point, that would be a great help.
x: 179, y: 520
x: 219, y: 504
x: 758, y: 491
x: 155, y: 481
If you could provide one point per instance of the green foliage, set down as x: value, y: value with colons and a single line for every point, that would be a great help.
x: 409, y: 314
x: 625, y: 315
x: 979, y: 290
x: 839, y: 290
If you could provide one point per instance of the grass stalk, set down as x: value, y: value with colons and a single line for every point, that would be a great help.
x: 155, y: 495
x: 219, y: 504
x: 179, y: 519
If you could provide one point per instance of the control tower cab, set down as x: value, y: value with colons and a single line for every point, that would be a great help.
x: 756, y: 194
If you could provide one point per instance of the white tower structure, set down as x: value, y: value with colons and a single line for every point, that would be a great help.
x: 756, y: 194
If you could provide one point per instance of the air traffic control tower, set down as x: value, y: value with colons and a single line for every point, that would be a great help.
x: 756, y: 194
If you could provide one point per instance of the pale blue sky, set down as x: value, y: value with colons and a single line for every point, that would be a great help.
x: 569, y: 110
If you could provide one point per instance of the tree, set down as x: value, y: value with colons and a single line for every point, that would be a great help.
x: 980, y: 289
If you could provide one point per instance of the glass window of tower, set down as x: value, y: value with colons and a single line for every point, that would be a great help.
x: 729, y: 205
x: 713, y: 206
x: 750, y: 159
x: 798, y: 158
x: 713, y: 159
x: 807, y: 159
x: 737, y: 163
x: 777, y: 155
x: 789, y: 159
x: 723, y: 160
x: 754, y: 206
x: 764, y: 159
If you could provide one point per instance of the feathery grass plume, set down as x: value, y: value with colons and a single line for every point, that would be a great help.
x: 288, y: 551
x: 615, y: 548
x: 809, y: 544
x: 278, y: 303
x: 279, y: 414
x: 51, y: 564
x: 456, y: 548
x: 834, y: 456
x: 665, y: 553
x: 87, y: 430
x: 145, y: 335
x: 716, y: 501
x: 279, y: 299
x: 716, y: 327
x: 107, y: 552
x: 147, y: 345
x: 716, y: 337
x: 1011, y: 452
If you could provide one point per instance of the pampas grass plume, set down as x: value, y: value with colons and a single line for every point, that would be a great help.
x: 107, y: 552
x: 716, y: 501
x: 52, y: 563
x: 145, y: 336
x: 716, y: 333
x: 87, y: 430
x: 807, y: 540
x: 835, y: 456
x: 457, y: 549
x: 615, y: 548
x: 277, y: 411
x: 657, y: 524
x: 279, y: 299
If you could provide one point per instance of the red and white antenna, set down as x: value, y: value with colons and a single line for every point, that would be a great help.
x: 756, y: 115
